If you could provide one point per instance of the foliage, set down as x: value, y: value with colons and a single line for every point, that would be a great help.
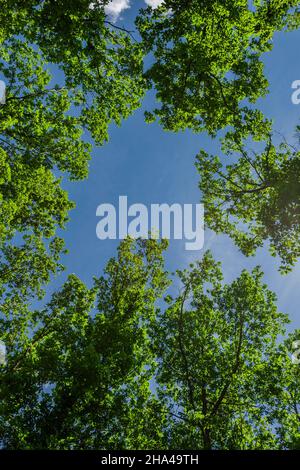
x: 217, y: 374
x: 207, y: 59
x: 73, y: 376
x: 98, y: 73
x: 115, y: 367
x: 255, y: 198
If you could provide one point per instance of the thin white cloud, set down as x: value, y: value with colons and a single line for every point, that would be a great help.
x: 154, y: 3
x: 116, y: 7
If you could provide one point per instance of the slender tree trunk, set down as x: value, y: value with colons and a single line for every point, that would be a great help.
x: 206, y: 439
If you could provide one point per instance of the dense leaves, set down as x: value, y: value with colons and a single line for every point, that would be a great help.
x: 67, y: 70
x: 207, y: 59
x: 207, y: 71
x: 256, y: 197
x: 75, y: 381
x: 220, y: 373
x: 101, y: 65
x: 116, y: 367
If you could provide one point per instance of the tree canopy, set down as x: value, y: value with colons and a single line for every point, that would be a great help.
x: 69, y: 71
x: 207, y: 59
x: 127, y: 364
x: 255, y: 198
x: 45, y: 118
x: 131, y: 363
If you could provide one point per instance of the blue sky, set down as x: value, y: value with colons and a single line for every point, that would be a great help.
x: 150, y: 165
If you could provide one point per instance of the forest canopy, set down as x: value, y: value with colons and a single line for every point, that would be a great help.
x: 126, y: 363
